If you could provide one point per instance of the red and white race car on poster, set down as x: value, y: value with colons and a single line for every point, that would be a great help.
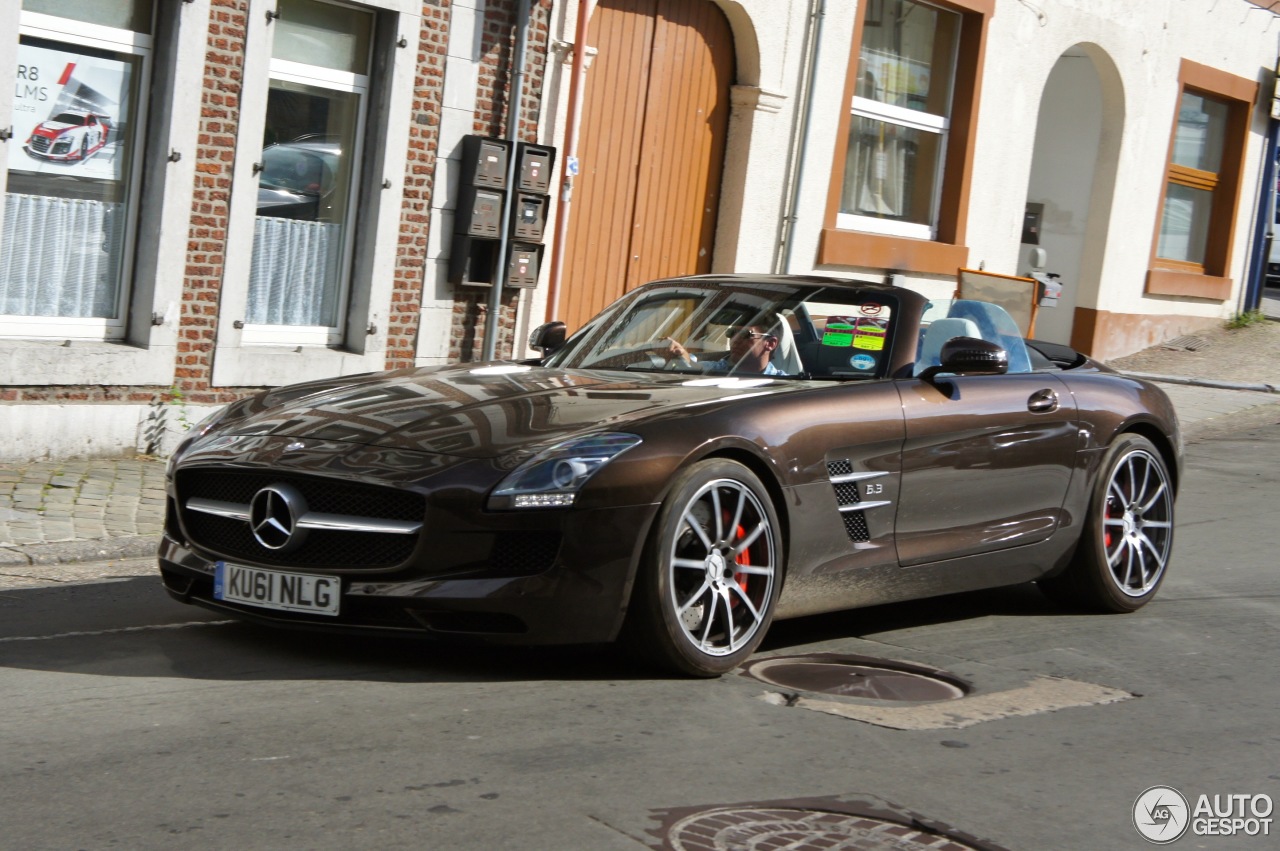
x: 68, y: 136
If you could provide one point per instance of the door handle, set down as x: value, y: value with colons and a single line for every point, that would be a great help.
x: 1043, y: 402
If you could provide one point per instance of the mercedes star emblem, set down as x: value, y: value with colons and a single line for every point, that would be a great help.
x: 274, y: 515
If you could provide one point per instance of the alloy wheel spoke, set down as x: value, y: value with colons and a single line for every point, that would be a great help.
x: 730, y: 639
x: 715, y: 512
x: 689, y: 563
x: 737, y: 515
x: 1128, y: 567
x: 693, y: 598
x: 712, y: 605
x: 750, y: 538
x: 1146, y: 480
x: 1150, y: 545
x: 1113, y: 558
x: 1146, y: 506
x: 754, y: 569
x: 751, y: 607
x: 692, y: 522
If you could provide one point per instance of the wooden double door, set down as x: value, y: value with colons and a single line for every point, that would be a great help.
x: 651, y: 149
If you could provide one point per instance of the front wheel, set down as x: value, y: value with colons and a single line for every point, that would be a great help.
x: 710, y: 574
x: 1125, y: 547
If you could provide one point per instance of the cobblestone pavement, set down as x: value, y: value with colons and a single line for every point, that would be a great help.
x: 62, y: 512
x: 108, y: 507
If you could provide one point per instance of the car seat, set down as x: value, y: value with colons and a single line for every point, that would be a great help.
x: 938, y: 333
x: 785, y: 357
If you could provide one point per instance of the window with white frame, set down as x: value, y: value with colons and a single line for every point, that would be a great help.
x: 72, y: 174
x: 900, y: 119
x: 308, y: 173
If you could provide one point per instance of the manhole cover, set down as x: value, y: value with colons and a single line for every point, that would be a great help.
x: 853, y: 676
x: 795, y: 829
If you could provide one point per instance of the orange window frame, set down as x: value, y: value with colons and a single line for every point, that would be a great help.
x: 1208, y: 280
x: 947, y: 251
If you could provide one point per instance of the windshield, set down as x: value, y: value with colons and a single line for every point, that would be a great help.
x: 740, y: 328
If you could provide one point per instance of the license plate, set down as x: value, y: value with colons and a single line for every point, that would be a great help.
x: 274, y: 589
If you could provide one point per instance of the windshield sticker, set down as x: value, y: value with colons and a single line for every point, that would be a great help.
x: 863, y: 362
x: 839, y: 331
x: 871, y: 309
x: 869, y: 334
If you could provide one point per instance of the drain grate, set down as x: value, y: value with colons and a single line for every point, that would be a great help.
x: 858, y: 677
x: 1186, y: 344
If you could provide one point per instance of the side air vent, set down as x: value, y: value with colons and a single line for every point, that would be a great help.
x: 846, y: 484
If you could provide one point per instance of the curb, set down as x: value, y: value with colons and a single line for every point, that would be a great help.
x: 71, y: 552
x: 1255, y: 387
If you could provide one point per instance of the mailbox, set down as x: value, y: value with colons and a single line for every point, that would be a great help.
x: 484, y: 162
x: 529, y: 219
x: 472, y: 261
x: 488, y: 201
x: 535, y: 164
x: 479, y: 212
x: 523, y: 265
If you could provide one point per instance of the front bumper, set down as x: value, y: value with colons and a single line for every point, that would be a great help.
x: 576, y: 594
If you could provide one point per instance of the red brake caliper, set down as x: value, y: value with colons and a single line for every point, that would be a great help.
x: 1110, y: 516
x: 744, y: 557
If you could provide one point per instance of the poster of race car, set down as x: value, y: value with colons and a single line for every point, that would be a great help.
x: 70, y: 113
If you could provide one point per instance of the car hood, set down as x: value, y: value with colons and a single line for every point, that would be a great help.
x: 481, y: 412
x: 51, y: 128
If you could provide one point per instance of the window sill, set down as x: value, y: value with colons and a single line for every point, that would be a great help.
x: 275, y: 366
x: 900, y: 254
x: 1187, y: 284
x: 46, y: 363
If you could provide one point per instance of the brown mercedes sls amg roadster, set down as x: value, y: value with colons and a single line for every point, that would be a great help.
x: 706, y: 455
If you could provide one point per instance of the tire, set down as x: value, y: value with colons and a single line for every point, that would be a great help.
x: 710, y: 574
x: 1124, y: 549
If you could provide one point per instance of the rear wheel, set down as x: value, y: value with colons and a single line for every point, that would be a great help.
x: 1128, y: 538
x: 710, y: 575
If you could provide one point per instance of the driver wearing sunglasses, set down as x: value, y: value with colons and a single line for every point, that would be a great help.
x: 750, y: 348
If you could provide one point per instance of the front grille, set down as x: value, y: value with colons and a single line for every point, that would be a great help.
x: 322, y: 548
x: 40, y: 144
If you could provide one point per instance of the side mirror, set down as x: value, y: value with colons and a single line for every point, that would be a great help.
x: 969, y: 356
x: 547, y: 337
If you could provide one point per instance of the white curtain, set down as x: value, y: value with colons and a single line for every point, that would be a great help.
x: 294, y: 275
x: 881, y: 174
x: 60, y: 256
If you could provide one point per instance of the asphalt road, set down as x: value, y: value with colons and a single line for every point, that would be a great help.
x: 129, y: 721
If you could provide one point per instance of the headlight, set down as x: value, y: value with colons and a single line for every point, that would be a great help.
x: 552, y: 478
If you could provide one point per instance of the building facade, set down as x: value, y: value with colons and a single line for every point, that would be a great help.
x: 203, y: 198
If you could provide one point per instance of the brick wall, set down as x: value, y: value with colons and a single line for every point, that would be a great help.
x: 206, y: 245
x: 215, y: 158
x: 415, y: 214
